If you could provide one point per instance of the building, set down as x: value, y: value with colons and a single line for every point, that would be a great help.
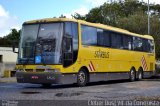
x: 7, y: 59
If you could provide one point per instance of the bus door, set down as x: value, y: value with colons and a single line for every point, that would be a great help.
x: 67, y: 51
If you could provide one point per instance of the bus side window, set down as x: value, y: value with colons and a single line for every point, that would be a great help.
x: 130, y: 45
x: 89, y: 35
x: 146, y: 46
x: 151, y: 44
x: 116, y: 40
x: 70, y: 43
x: 137, y: 44
x: 103, y: 38
x: 100, y: 38
x: 127, y: 42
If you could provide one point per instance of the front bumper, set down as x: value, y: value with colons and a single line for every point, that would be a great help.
x: 45, y: 77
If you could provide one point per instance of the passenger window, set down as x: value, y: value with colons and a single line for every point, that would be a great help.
x: 151, y: 43
x: 89, y: 35
x: 146, y: 46
x: 127, y: 42
x: 116, y: 40
x: 137, y: 44
x: 103, y: 38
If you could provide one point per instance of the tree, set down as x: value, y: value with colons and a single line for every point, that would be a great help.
x: 8, y: 40
x: 131, y: 15
x: 78, y: 16
x: 13, y: 35
x: 136, y: 23
x: 62, y: 16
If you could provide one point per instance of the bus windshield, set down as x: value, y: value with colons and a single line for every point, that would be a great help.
x: 41, y: 44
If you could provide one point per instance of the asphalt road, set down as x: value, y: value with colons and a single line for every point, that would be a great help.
x: 98, y: 93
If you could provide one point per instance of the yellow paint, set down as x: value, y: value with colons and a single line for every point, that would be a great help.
x: 7, y: 73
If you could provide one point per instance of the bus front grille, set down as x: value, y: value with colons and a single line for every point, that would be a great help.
x: 29, y: 70
x: 40, y: 70
x: 33, y: 70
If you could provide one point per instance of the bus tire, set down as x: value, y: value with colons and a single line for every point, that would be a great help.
x: 140, y: 74
x: 82, y: 77
x: 132, y: 75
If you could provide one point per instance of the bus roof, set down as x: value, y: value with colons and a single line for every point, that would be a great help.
x: 98, y: 25
x: 47, y: 20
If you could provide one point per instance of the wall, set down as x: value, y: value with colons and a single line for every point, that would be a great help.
x: 8, y: 59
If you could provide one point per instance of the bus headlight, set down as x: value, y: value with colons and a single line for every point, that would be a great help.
x: 19, y: 70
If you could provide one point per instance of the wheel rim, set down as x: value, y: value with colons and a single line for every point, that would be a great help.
x: 81, y: 77
x: 132, y: 75
x: 140, y: 76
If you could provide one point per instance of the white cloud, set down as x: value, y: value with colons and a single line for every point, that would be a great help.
x: 82, y: 10
x: 152, y: 1
x: 3, y: 13
x: 7, y: 22
x: 97, y: 2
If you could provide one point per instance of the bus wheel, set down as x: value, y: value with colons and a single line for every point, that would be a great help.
x: 132, y: 75
x: 82, y: 78
x: 140, y: 74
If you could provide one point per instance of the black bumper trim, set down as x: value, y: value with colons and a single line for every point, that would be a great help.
x: 45, y: 78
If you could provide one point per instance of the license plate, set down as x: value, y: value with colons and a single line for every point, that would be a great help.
x: 34, y: 77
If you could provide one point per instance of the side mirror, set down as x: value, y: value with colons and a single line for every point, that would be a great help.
x: 15, y: 48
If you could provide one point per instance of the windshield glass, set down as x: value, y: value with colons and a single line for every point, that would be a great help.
x: 41, y: 44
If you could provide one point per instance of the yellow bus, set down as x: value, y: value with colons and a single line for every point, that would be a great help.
x: 61, y: 50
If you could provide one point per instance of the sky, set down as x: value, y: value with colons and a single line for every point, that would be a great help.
x: 14, y: 12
